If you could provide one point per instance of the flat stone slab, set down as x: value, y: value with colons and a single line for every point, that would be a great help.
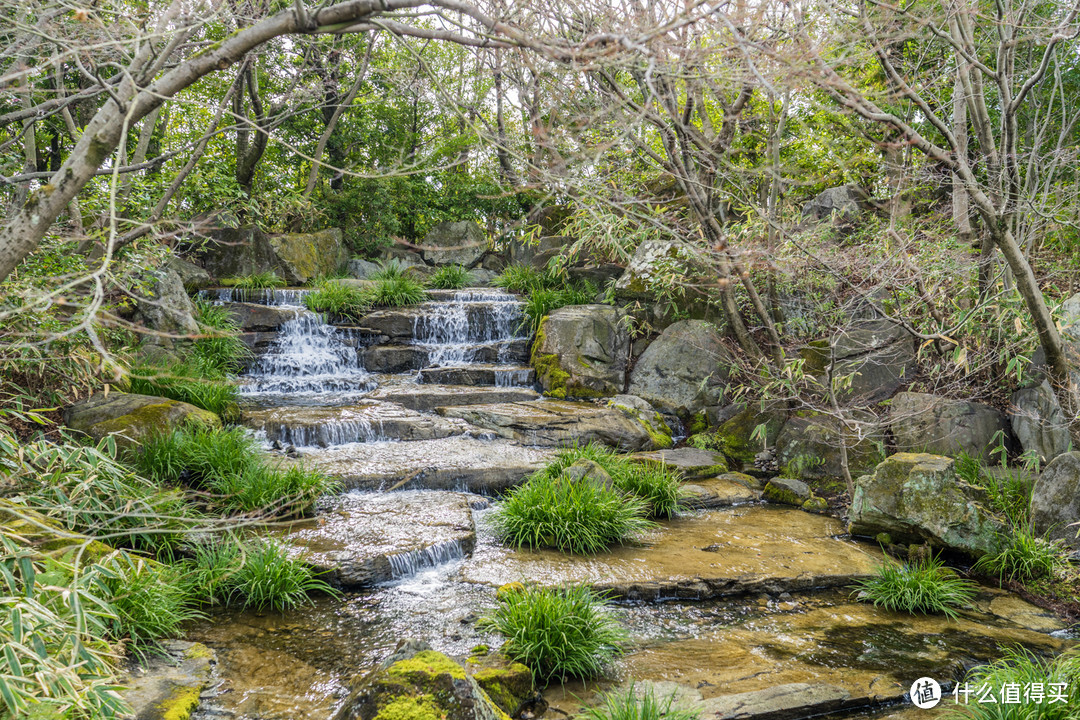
x: 426, y: 398
x: 363, y: 422
x: 254, y: 317
x: 712, y: 554
x: 557, y: 423
x: 454, y: 463
x: 777, y: 659
x: 170, y: 684
x: 365, y: 538
x: 691, y: 463
x: 396, y: 358
x: 479, y: 374
x: 722, y: 491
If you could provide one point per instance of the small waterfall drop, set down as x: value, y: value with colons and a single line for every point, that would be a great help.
x: 452, y: 330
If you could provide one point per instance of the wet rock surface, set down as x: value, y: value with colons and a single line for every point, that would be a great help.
x: 169, y: 685
x: 130, y: 417
x: 370, y: 421
x: 690, y: 463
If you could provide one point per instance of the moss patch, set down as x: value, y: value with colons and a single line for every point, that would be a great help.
x: 411, y: 708
x: 180, y: 704
x: 425, y: 665
x: 507, y: 686
x: 780, y: 495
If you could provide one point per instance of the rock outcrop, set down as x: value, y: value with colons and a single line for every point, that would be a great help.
x: 1055, y: 500
x: 836, y: 202
x: 917, y: 498
x: 878, y: 356
x: 684, y: 370
x: 130, y: 417
x: 581, y: 351
x: 165, y: 310
x: 1038, y: 422
x: 455, y: 243
x: 809, y: 445
x: 296, y: 257
x: 932, y: 424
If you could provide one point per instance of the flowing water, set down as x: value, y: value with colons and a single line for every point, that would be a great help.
x: 724, y: 601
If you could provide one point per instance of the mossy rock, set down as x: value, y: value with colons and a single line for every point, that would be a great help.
x: 308, y: 255
x: 130, y: 418
x: 509, y: 684
x: 733, y: 437
x: 581, y: 352
x: 48, y: 537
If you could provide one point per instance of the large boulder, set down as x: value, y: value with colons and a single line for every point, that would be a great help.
x: 684, y: 370
x: 525, y: 251
x: 808, y: 447
x: 296, y: 257
x: 651, y: 261
x: 455, y: 243
x: 130, y: 417
x: 1055, y: 500
x: 878, y: 355
x: 927, y: 423
x: 417, y: 682
x: 191, y: 275
x: 165, y: 310
x: 1038, y: 422
x: 581, y: 351
x: 737, y: 427
x: 917, y: 498
x: 836, y: 202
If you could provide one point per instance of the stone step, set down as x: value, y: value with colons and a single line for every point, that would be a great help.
x: 270, y: 296
x: 409, y: 358
x: 461, y: 463
x: 367, y: 421
x: 426, y: 398
x: 362, y: 539
x: 480, y: 374
x: 254, y: 317
x: 473, y: 294
x: 446, y: 322
x: 555, y: 423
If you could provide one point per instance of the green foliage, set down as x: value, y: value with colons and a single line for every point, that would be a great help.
x: 556, y: 632
x: 388, y: 270
x: 1024, y: 557
x: 228, y: 464
x: 926, y: 587
x: 397, y: 291
x: 631, y: 704
x: 53, y: 622
x: 191, y: 381
x: 150, y: 600
x: 339, y: 300
x: 578, y: 517
x: 450, y: 277
x: 1008, y: 491
x: 268, y: 578
x: 525, y: 279
x: 219, y: 351
x: 1023, y: 668
x: 541, y: 302
x: 658, y: 485
x: 258, y: 281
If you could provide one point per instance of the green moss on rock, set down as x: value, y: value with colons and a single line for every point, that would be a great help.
x: 411, y: 708
x: 180, y: 704
x: 425, y: 665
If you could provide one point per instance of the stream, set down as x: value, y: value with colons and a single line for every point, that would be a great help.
x: 738, y: 598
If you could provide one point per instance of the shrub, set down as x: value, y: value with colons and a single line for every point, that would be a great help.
x: 450, y: 277
x: 630, y: 704
x: 1024, y: 557
x: 926, y: 587
x: 338, y: 300
x: 557, y: 632
x: 257, y: 281
x: 269, y: 578
x: 1022, y: 668
x: 656, y: 484
x: 578, y: 517
x: 151, y: 602
x: 397, y: 291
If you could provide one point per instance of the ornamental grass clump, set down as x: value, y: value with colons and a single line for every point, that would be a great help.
x: 925, y: 586
x: 397, y: 291
x: 582, y: 516
x: 633, y: 704
x: 450, y: 277
x: 1049, y: 689
x: 339, y: 300
x: 1024, y: 557
x: 557, y: 632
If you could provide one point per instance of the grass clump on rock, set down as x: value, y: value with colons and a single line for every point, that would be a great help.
x: 925, y: 586
x: 339, y: 300
x: 556, y: 632
x: 450, y: 277
x: 1024, y: 557
x: 1020, y: 667
x: 266, y: 280
x: 631, y: 704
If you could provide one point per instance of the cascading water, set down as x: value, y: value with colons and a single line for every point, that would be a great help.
x: 451, y: 330
x: 271, y: 296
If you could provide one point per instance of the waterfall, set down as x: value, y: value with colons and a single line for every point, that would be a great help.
x: 406, y: 564
x: 451, y: 331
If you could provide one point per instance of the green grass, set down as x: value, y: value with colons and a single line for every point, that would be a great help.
x: 397, y: 291
x: 228, y: 465
x: 1009, y: 496
x: 577, y: 517
x: 388, y: 270
x: 257, y: 281
x: 525, y: 279
x: 150, y: 600
x: 926, y: 587
x: 557, y: 632
x: 1022, y: 668
x: 657, y: 485
x: 541, y: 302
x: 1024, y: 557
x: 190, y: 381
x: 219, y: 349
x: 339, y: 300
x: 450, y: 277
x: 269, y: 579
x: 631, y: 704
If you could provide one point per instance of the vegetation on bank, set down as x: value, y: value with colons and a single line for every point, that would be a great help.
x: 924, y: 586
x: 557, y: 633
x: 635, y: 704
x: 544, y: 290
x: 450, y: 277
x: 1058, y: 678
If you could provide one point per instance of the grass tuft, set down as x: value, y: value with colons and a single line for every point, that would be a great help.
x: 256, y: 281
x: 926, y: 587
x: 557, y: 632
x: 631, y: 704
x: 338, y: 300
x: 1020, y: 667
x: 450, y: 277
x: 268, y: 578
x: 397, y: 291
x: 1024, y: 557
x: 150, y: 601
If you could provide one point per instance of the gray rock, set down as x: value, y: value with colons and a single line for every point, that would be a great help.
x: 402, y: 256
x: 878, y: 355
x: 808, y: 446
x: 598, y: 275
x: 481, y: 277
x: 585, y: 469
x: 130, y: 417
x: 1055, y: 500
x: 581, y: 351
x: 523, y: 253
x: 169, y: 684
x: 684, y: 370
x: 927, y: 423
x: 917, y: 498
x: 781, y: 702
x: 165, y: 310
x: 237, y: 252
x: 657, y: 425
x: 252, y: 317
x: 362, y: 269
x: 455, y: 243
x: 690, y: 463
x: 296, y: 257
x: 787, y: 491
x: 1039, y: 423
x: 840, y: 202
x: 496, y: 262
x: 191, y: 275
x: 652, y: 259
